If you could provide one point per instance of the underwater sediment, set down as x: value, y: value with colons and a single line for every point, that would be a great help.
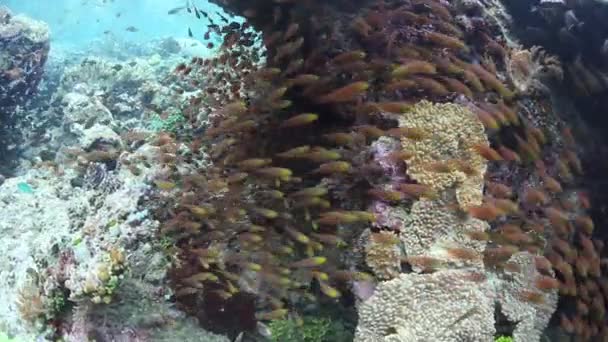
x: 400, y: 169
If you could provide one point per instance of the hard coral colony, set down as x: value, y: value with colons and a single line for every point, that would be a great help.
x: 320, y: 146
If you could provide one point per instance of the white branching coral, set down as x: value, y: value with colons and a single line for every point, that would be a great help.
x: 443, y: 306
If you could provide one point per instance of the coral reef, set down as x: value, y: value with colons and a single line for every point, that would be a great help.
x: 25, y: 47
x: 576, y: 32
x: 98, y: 102
x: 290, y: 143
x: 399, y: 161
x: 82, y: 260
x: 355, y: 85
x: 71, y: 247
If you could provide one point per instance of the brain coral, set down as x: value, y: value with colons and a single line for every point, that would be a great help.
x: 442, y: 306
x: 454, y: 129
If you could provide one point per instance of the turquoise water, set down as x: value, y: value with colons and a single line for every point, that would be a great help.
x: 79, y: 22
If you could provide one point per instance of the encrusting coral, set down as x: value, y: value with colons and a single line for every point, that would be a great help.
x: 518, y: 286
x: 446, y: 159
x: 436, y: 231
x: 449, y: 305
x: 383, y: 254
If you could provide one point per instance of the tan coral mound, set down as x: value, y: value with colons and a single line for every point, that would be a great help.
x: 515, y: 292
x: 454, y: 129
x: 442, y: 306
x: 383, y: 255
x: 434, y: 228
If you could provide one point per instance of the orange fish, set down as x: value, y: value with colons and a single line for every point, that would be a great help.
x: 334, y: 167
x: 531, y: 296
x: 486, y: 212
x: 499, y: 190
x: 487, y: 152
x: 414, y: 133
x: 254, y: 163
x: 414, y: 67
x: 300, y: 120
x: 349, y: 57
x: 508, y: 154
x: 416, y: 190
x: 370, y: 131
x: 347, y: 93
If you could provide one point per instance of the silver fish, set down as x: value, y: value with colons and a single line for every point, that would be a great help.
x: 176, y: 10
x: 570, y: 19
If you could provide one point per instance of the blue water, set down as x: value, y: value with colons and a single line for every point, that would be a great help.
x: 79, y: 22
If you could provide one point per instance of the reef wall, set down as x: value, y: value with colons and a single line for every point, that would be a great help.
x: 575, y: 31
x: 333, y: 142
x: 419, y: 134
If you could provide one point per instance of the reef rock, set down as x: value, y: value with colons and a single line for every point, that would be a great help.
x: 24, y: 47
x: 83, y: 246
